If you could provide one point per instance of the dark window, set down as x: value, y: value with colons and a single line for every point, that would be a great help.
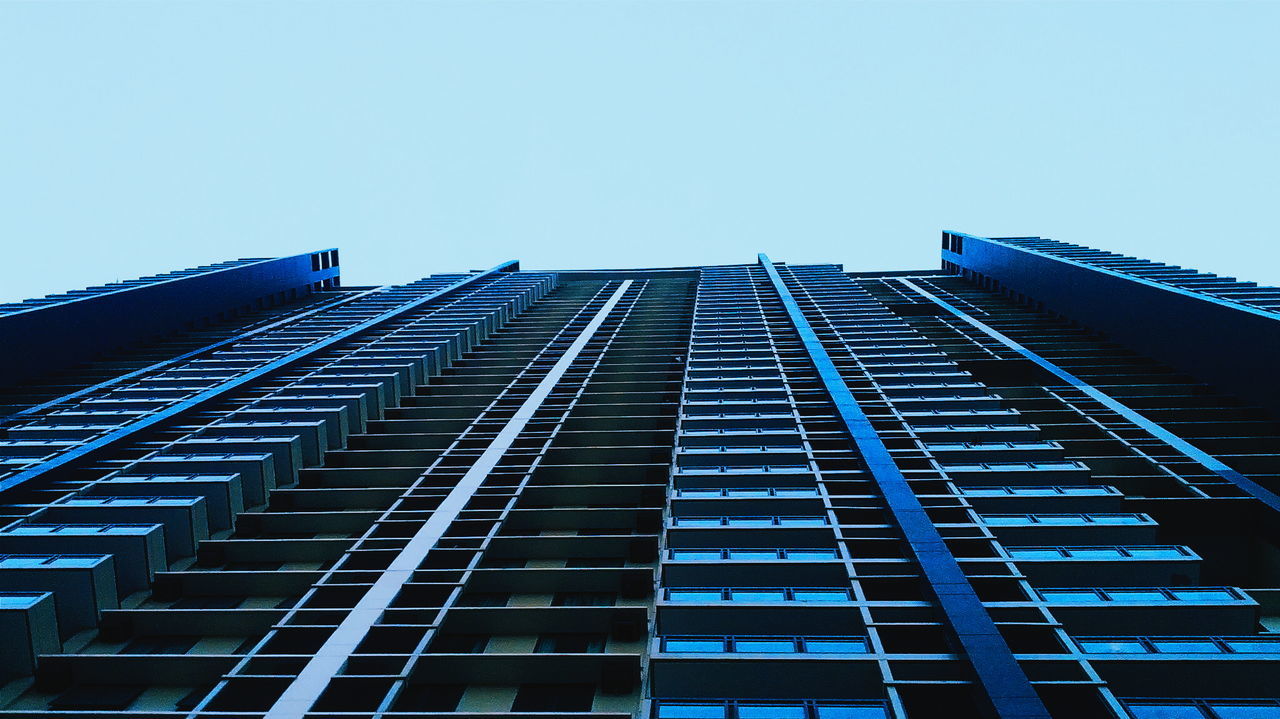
x: 208, y: 603
x: 459, y: 643
x: 554, y: 698
x: 484, y: 599
x: 160, y: 645
x: 429, y: 697
x: 92, y: 696
x: 570, y: 644
x: 593, y: 562
x: 583, y: 599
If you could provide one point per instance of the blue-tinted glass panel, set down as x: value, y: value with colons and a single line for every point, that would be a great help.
x: 1233, y: 710
x: 1060, y: 519
x: 1068, y: 596
x: 821, y: 595
x: 839, y: 712
x: 697, y: 522
x: 18, y: 601
x: 758, y: 595
x: 1165, y: 711
x: 1095, y: 553
x: 1136, y: 595
x: 1003, y: 519
x: 691, y: 711
x: 835, y: 646
x: 693, y: 595
x: 770, y: 711
x: 802, y: 521
x: 750, y: 521
x: 1112, y: 646
x: 1117, y: 519
x: 1204, y: 595
x: 768, y: 646
x: 1186, y: 646
x: 753, y: 555
x: 695, y: 555
x: 810, y: 555
x: 1036, y: 553
x: 693, y: 645
x: 1155, y: 552
x: 1254, y: 646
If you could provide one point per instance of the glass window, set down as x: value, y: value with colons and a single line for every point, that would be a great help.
x: 771, y: 711
x: 695, y: 555
x: 1084, y: 490
x: 850, y: 712
x: 694, y: 595
x: 18, y: 601
x: 1165, y: 711
x: 690, y: 711
x: 1069, y: 596
x: 984, y: 491
x: 30, y: 561
x: 697, y: 521
x: 795, y: 492
x: 1060, y: 519
x: 1117, y: 519
x: 821, y: 595
x: 1136, y: 595
x: 1034, y: 553
x: 750, y: 521
x: 1112, y: 646
x: 748, y: 493
x: 1242, y: 710
x: 1186, y: 646
x: 1094, y: 553
x: 810, y: 555
x: 700, y: 492
x: 802, y: 521
x: 835, y: 646
x: 1204, y: 595
x: 762, y: 645
x: 1037, y: 491
x: 1155, y: 552
x: 758, y: 595
x: 753, y: 555
x: 1254, y: 645
x: 693, y: 645
x: 1001, y: 519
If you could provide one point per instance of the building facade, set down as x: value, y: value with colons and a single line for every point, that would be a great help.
x: 1037, y: 482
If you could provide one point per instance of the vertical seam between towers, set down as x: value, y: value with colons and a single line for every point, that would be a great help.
x: 1005, y: 683
x: 324, y: 665
x: 125, y: 431
x: 1201, y: 457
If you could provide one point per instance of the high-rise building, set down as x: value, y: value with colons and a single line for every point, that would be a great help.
x: 1040, y: 481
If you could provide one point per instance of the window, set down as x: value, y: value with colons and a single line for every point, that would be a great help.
x: 1166, y: 711
x: 695, y: 595
x: 1136, y: 595
x: 668, y: 710
x: 709, y: 645
x: 763, y: 645
x: 459, y: 643
x: 771, y: 711
x: 1112, y: 646
x: 570, y: 644
x: 160, y: 645
x: 554, y: 697
x: 583, y: 599
x: 696, y: 555
x: 1204, y: 595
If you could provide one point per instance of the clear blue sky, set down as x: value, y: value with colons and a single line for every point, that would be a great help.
x: 431, y: 136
